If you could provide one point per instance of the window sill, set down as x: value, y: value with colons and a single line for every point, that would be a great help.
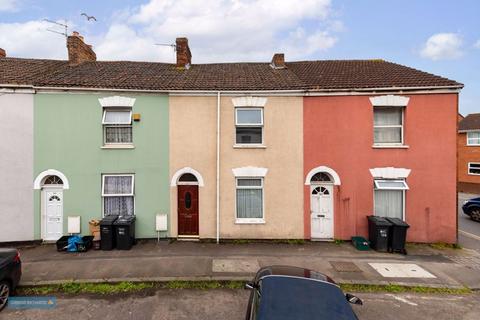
x: 118, y: 146
x: 390, y: 146
x: 249, y: 221
x: 249, y: 146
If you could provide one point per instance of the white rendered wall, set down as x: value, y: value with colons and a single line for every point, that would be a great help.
x: 16, y: 166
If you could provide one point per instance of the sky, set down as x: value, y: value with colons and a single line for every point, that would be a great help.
x: 437, y: 36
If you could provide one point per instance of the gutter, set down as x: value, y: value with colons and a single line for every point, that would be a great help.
x: 218, y: 168
x: 468, y: 130
x: 299, y: 92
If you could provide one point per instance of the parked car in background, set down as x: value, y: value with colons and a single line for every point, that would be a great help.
x: 10, y: 273
x: 284, y: 292
x: 472, y: 208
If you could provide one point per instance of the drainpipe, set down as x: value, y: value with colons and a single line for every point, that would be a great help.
x: 218, y: 167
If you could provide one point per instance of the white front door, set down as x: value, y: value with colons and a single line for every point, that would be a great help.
x: 321, y: 211
x: 53, y: 214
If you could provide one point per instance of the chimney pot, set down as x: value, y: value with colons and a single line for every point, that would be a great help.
x: 3, y: 54
x: 184, y: 56
x: 78, y: 50
x: 278, y: 61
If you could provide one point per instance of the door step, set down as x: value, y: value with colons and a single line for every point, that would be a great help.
x: 322, y: 239
x: 188, y: 238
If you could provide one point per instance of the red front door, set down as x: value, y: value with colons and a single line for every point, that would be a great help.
x: 187, y: 210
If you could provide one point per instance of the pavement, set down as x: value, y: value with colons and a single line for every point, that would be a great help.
x: 220, y: 304
x: 164, y: 261
x: 468, y: 230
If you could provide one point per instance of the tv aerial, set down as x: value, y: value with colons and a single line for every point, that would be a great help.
x: 173, y: 45
x: 63, y: 25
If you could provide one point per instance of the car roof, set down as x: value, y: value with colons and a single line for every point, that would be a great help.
x: 292, y: 272
x: 286, y: 297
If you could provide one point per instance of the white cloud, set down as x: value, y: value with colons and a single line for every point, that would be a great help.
x: 477, y: 44
x: 8, y: 5
x: 123, y: 43
x: 443, y: 46
x: 220, y: 31
x: 238, y: 30
x: 32, y: 40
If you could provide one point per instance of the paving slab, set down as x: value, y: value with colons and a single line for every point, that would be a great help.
x: 149, y: 261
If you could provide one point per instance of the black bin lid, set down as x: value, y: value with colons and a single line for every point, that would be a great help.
x: 398, y: 222
x: 125, y: 220
x: 108, y: 220
x: 379, y: 221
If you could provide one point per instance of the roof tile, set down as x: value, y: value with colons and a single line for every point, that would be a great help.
x: 302, y: 75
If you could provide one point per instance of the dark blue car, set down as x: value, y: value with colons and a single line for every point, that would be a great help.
x: 472, y: 208
x: 284, y: 292
x: 10, y: 273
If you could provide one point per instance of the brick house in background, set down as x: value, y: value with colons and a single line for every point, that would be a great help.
x: 469, y: 154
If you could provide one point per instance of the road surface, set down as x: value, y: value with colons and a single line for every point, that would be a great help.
x: 468, y: 230
x: 230, y: 304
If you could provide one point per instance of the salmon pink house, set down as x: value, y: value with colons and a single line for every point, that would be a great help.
x: 273, y: 150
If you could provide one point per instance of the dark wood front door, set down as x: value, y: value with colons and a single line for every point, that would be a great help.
x: 187, y: 210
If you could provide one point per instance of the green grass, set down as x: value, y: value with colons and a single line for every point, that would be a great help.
x: 289, y: 241
x: 442, y: 246
x: 338, y: 241
x: 74, y: 288
x: 393, y: 288
x: 203, y: 285
x: 95, y: 288
x: 125, y: 287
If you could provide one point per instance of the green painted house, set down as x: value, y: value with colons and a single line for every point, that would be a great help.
x: 91, y: 158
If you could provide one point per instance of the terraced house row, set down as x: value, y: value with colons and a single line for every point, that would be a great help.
x: 277, y: 150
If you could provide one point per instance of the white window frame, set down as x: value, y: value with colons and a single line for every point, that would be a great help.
x: 247, y: 125
x: 468, y: 139
x: 250, y: 220
x: 378, y: 187
x: 401, y: 126
x: 469, y: 167
x: 104, y: 195
x: 116, y: 125
x: 396, y: 189
x: 114, y: 109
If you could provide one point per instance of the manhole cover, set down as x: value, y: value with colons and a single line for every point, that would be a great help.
x: 401, y: 270
x: 345, y: 266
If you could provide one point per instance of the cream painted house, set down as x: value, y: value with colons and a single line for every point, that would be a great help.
x: 260, y: 178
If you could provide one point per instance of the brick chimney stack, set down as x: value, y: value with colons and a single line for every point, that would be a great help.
x: 3, y: 54
x: 184, y: 56
x: 78, y: 50
x: 278, y: 61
